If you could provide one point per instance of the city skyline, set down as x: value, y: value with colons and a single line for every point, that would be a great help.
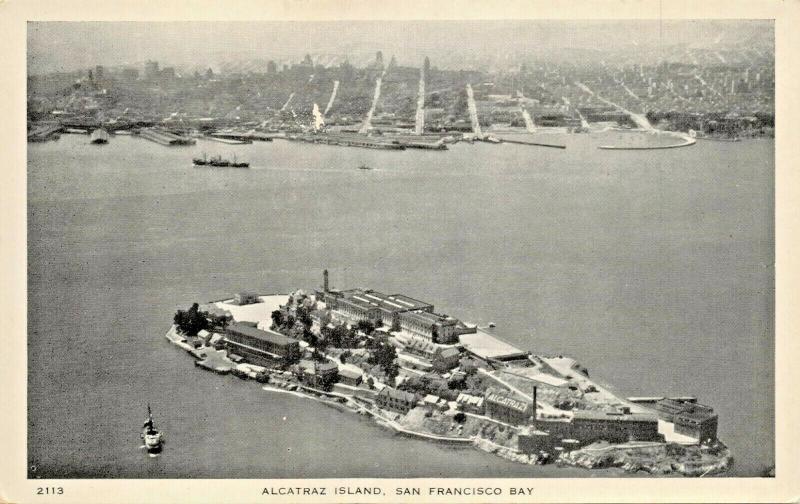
x: 454, y: 44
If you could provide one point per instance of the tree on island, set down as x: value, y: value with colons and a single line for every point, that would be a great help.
x: 292, y: 356
x: 303, y: 316
x: 384, y: 355
x: 299, y: 332
x: 309, y: 337
x: 277, y: 319
x: 318, y: 356
x: 191, y: 321
x: 366, y: 327
x: 321, y: 344
x: 221, y: 321
x: 340, y: 336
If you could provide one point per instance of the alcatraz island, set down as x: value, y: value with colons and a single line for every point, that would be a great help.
x: 429, y: 375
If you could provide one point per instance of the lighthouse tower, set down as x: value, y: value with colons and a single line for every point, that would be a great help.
x: 325, y: 281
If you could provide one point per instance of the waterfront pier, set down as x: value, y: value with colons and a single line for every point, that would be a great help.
x: 164, y: 137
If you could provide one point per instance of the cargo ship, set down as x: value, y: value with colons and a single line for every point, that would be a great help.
x: 218, y: 161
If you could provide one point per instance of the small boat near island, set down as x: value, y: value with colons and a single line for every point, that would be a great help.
x: 99, y: 136
x: 218, y: 161
x: 362, y: 166
x: 152, y: 437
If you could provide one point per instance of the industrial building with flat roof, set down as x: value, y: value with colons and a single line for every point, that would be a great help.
x: 429, y: 325
x: 586, y: 427
x: 360, y: 304
x: 690, y: 418
x: 357, y: 310
x: 410, y: 315
x: 249, y: 341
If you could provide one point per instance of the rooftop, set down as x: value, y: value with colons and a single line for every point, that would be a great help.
x: 488, y: 346
x: 696, y: 414
x: 448, y: 352
x: 359, y: 302
x: 253, y: 332
x: 311, y: 367
x: 469, y: 399
x: 409, y: 301
x: 400, y: 395
x: 391, y: 302
x: 613, y: 416
x: 349, y: 372
x: 429, y: 318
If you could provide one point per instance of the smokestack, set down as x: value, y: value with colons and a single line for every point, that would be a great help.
x: 325, y: 281
x: 534, y: 403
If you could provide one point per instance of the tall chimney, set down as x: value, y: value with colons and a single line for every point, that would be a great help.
x: 534, y: 403
x: 325, y: 281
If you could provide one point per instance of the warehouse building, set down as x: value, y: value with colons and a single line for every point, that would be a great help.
x: 259, y: 345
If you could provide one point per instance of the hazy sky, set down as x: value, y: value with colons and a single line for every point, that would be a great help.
x: 56, y: 46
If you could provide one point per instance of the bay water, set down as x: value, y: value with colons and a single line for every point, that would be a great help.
x: 654, y: 269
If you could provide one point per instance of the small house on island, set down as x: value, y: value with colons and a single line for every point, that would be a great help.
x: 445, y: 359
x: 317, y: 374
x: 350, y: 376
x: 245, y: 298
x: 396, y: 400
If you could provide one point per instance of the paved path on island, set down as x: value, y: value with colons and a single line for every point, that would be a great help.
x: 643, y: 444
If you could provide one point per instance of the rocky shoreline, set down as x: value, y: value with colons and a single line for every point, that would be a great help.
x: 656, y: 459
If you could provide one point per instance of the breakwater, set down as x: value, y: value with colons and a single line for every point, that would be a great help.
x: 687, y: 141
x: 535, y: 144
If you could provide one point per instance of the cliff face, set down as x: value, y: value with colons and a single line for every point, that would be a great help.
x: 657, y: 459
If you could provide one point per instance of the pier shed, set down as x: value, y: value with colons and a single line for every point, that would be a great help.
x: 489, y: 347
